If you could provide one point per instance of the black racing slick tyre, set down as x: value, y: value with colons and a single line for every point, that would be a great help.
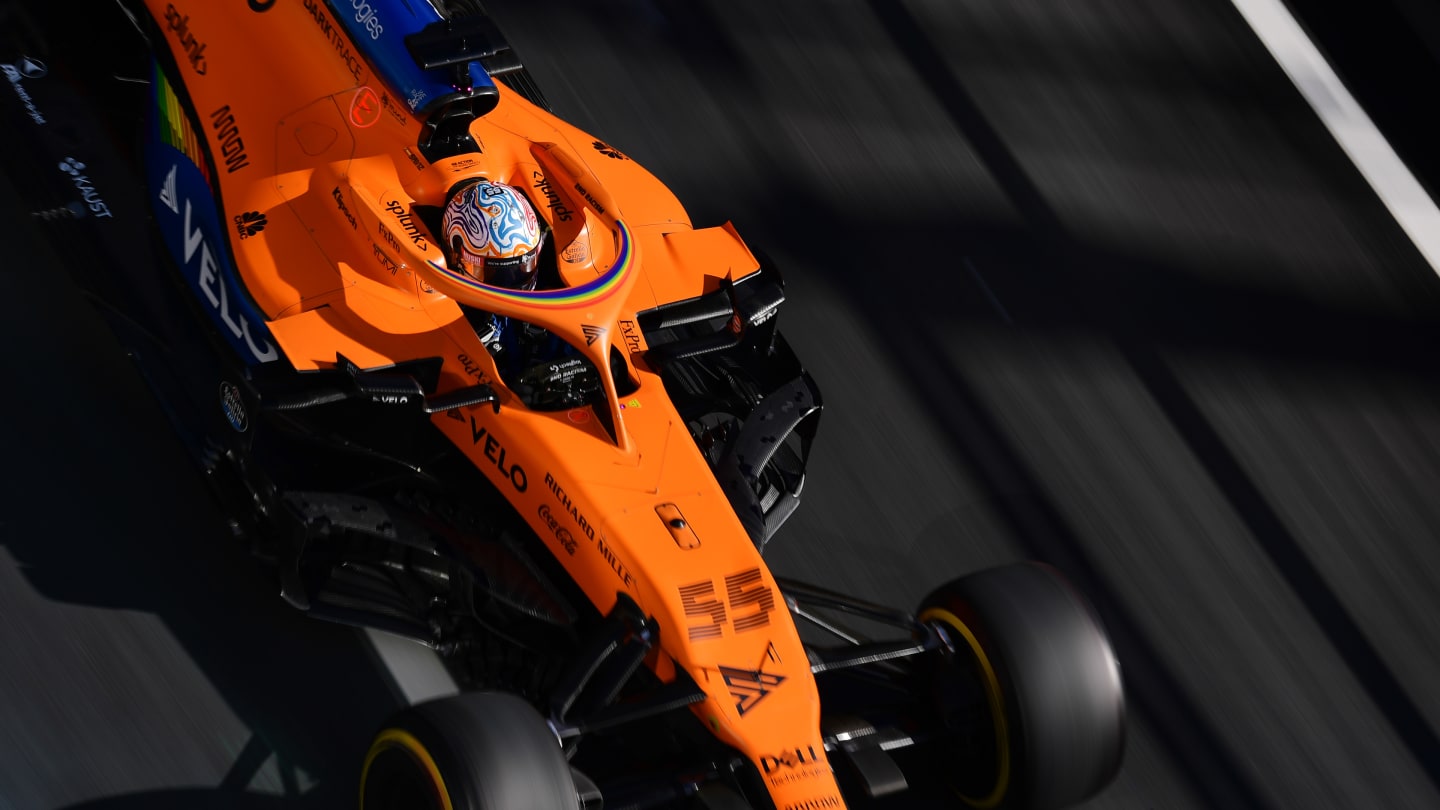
x: 1029, y: 692
x: 473, y: 751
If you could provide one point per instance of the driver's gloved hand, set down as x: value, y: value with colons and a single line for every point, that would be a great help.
x: 492, y: 335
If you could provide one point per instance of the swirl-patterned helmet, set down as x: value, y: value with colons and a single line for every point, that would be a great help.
x: 493, y: 234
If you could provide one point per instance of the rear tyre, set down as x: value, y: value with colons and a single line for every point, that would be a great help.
x: 473, y: 751
x: 1030, y: 692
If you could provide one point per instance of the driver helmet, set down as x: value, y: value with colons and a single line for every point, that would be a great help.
x: 493, y: 234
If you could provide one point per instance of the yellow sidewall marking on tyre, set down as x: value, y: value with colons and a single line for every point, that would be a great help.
x: 398, y: 738
x: 997, y: 709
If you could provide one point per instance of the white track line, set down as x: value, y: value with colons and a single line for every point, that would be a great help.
x: 414, y: 668
x: 1348, y: 123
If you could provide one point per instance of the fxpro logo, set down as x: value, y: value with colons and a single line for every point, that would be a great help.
x: 26, y: 68
x: 198, y: 257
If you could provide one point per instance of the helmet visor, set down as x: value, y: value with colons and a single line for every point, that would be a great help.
x: 515, y: 273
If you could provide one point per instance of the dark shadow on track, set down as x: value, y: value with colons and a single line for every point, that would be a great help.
x: 201, y: 799
x: 309, y: 692
x: 231, y: 793
x: 1316, y: 337
x: 1192, y: 744
x: 105, y: 509
x: 1061, y: 284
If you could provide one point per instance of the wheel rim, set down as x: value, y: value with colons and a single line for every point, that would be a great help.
x: 995, y: 699
x: 400, y: 773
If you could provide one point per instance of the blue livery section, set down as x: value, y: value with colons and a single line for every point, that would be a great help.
x: 380, y: 27
x: 189, y: 223
x: 190, y: 226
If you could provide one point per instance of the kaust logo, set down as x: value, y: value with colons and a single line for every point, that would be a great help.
x: 76, y: 169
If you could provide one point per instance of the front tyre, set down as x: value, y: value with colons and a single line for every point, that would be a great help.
x: 1029, y: 693
x: 473, y: 751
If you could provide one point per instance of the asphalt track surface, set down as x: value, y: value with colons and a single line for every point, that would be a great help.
x: 1081, y: 282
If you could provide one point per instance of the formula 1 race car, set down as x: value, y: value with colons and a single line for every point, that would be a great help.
x: 253, y: 190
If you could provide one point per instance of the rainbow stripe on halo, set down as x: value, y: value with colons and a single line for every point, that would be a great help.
x: 566, y: 297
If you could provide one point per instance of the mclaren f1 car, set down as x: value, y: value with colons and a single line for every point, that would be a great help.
x: 260, y: 183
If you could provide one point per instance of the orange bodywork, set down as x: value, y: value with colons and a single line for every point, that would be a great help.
x: 302, y: 130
